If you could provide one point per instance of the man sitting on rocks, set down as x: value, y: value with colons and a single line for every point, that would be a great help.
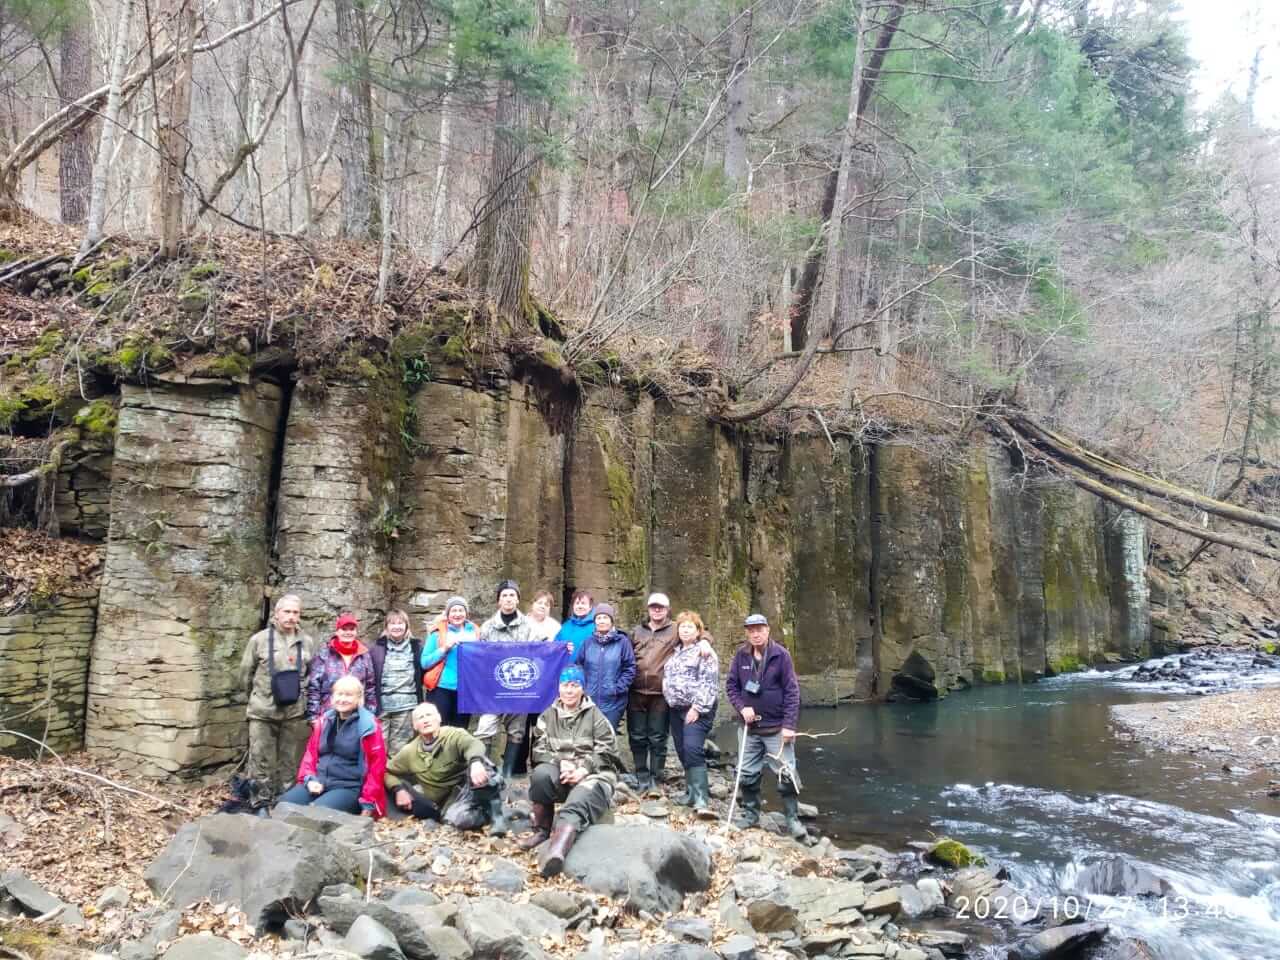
x: 576, y: 756
x: 439, y: 761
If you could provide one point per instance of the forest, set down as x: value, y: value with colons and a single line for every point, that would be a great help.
x: 843, y: 214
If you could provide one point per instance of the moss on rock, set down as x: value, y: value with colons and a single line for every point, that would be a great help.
x: 953, y: 853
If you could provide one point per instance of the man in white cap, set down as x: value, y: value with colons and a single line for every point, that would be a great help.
x: 648, y: 723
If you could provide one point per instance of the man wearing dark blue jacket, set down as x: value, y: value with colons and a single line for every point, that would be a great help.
x: 765, y: 693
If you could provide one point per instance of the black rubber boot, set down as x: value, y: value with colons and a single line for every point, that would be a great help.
x: 498, y: 826
x: 699, y: 790
x: 791, y: 810
x: 509, y: 759
x: 748, y: 804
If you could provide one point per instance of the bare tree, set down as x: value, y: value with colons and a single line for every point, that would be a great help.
x: 75, y: 151
x: 177, y: 27
x: 106, y: 142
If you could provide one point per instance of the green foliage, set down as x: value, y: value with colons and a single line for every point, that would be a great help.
x: 97, y: 421
x: 44, y: 19
x: 1066, y: 664
x: 954, y: 854
x: 415, y: 371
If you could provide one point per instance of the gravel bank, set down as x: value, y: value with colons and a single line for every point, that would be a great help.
x: 1241, y: 727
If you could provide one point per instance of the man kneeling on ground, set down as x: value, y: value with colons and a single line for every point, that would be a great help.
x: 576, y: 756
x: 438, y: 761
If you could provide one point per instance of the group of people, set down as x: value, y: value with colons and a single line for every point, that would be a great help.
x: 383, y: 718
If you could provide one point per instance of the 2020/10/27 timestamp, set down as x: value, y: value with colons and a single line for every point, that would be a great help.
x: 1020, y: 909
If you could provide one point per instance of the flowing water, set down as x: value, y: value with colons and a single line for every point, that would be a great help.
x: 1036, y: 778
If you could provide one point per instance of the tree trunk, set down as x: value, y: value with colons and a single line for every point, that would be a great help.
x: 502, y: 258
x: 173, y: 113
x: 841, y: 203
x: 75, y: 155
x: 106, y: 142
x: 737, y: 103
x: 392, y: 151
x: 355, y: 126
x: 802, y: 304
x: 440, y: 201
x: 300, y: 125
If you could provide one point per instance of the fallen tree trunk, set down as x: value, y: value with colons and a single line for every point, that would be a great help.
x: 1064, y: 449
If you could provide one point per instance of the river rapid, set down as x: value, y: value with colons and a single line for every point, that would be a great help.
x: 1036, y: 779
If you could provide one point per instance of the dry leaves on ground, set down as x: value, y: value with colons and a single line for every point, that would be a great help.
x: 34, y: 565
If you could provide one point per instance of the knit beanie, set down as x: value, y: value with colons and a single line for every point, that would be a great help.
x: 507, y: 585
x: 457, y: 602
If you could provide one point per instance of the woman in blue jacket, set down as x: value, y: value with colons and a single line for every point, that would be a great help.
x: 609, y: 663
x: 578, y: 628
x: 442, y: 644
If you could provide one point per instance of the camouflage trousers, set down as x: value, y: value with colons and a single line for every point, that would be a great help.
x: 275, y: 751
x: 397, y: 730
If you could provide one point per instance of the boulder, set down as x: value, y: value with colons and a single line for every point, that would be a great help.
x: 972, y: 885
x: 369, y: 939
x: 954, y: 854
x: 1118, y: 877
x: 1058, y: 942
x: 204, y: 946
x: 648, y: 867
x: 561, y: 903
x: 923, y: 899
x: 414, y: 926
x: 267, y: 868
x: 112, y: 898
x: 500, y: 930
x: 825, y: 942
x: 916, y: 679
x: 738, y: 947
x: 352, y: 834
x: 36, y: 901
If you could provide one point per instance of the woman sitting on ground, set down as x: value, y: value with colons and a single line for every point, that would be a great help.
x: 346, y: 759
x: 576, y: 762
x: 442, y: 644
x: 690, y: 684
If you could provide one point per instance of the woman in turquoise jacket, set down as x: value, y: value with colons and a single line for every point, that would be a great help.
x: 579, y: 627
x: 442, y: 644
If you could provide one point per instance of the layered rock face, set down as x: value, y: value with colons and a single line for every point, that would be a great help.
x: 885, y: 568
x: 45, y: 657
x: 184, y: 575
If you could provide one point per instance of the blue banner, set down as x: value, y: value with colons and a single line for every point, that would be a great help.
x: 509, y: 677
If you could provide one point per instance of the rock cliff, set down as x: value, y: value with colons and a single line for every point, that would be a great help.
x: 886, y: 568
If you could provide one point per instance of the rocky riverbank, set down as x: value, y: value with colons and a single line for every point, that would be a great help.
x: 654, y: 884
x: 1240, y: 729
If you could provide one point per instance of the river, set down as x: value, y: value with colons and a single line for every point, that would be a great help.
x: 1035, y: 778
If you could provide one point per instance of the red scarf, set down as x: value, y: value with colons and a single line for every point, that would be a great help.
x: 347, y: 648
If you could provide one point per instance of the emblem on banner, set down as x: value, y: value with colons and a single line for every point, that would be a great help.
x: 517, y: 673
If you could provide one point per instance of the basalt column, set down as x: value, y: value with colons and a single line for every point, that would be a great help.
x: 454, y: 497
x: 184, y: 574
x: 338, y: 511
x: 608, y: 501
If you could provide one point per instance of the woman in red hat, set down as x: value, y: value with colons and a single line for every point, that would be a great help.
x: 343, y: 656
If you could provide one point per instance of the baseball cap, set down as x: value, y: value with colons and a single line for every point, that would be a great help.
x: 755, y: 620
x: 658, y: 600
x: 346, y: 620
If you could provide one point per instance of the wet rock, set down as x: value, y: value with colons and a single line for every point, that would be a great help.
x: 268, y: 868
x: 915, y: 680
x: 690, y: 928
x: 917, y: 902
x: 1058, y: 942
x: 651, y: 867
x: 369, y: 939
x: 204, y: 946
x: 1118, y: 877
x: 949, y: 943
x: 973, y: 885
